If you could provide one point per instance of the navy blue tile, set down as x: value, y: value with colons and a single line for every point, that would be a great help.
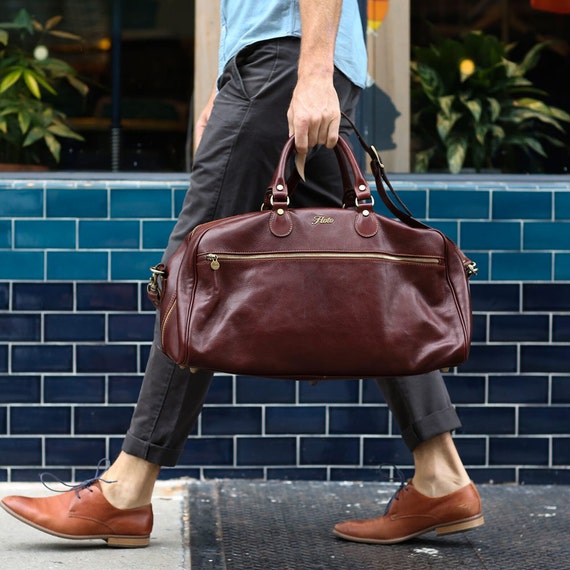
x: 561, y: 328
x: 74, y: 389
x: 519, y: 328
x: 561, y: 451
x: 518, y: 389
x: 479, y: 330
x: 544, y: 420
x: 3, y: 420
x: 167, y: 473
x: 472, y: 450
x: 545, y: 358
x: 465, y: 389
x: 124, y: 389
x: 144, y: 354
x: 93, y: 420
x: 74, y: 450
x: 295, y: 420
x: 358, y: 420
x: 561, y: 390
x: 3, y: 358
x: 146, y: 304
x: 40, y: 420
x: 20, y: 389
x: 518, y: 451
x: 115, y: 447
x: 34, y: 475
x: 119, y: 358
x: 251, y: 390
x: 107, y: 297
x: 299, y: 474
x: 371, y: 394
x: 4, y: 475
x: 19, y: 451
x: 131, y: 327
x: 4, y: 296
x: 495, y: 475
x: 356, y: 474
x: 491, y: 358
x: 42, y: 296
x: 232, y: 473
x: 544, y: 476
x: 495, y: 297
x: 546, y: 297
x: 486, y: 419
x: 44, y: 358
x: 224, y: 420
x: 332, y: 392
x: 20, y: 327
x: 386, y: 450
x: 74, y: 327
x: 262, y: 451
x: 329, y: 451
x: 221, y: 390
x: 208, y: 451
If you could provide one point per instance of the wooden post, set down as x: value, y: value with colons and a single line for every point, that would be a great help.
x: 389, y: 68
x: 205, y: 52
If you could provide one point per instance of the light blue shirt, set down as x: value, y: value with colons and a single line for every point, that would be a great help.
x: 256, y: 20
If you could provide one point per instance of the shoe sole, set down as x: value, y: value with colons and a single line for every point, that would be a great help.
x: 440, y: 530
x: 117, y: 541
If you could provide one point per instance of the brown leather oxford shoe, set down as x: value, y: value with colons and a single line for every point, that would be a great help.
x: 410, y: 514
x: 83, y: 514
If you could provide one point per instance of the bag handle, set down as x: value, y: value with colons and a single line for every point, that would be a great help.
x: 278, y: 193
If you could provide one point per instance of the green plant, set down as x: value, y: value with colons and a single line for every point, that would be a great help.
x: 474, y: 107
x: 31, y: 125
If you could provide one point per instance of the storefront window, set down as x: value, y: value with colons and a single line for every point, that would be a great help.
x: 135, y: 113
x: 137, y: 59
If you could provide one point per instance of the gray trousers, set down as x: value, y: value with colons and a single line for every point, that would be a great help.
x: 232, y: 168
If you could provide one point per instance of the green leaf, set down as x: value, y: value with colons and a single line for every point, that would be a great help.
x: 475, y: 107
x: 62, y: 130
x: 10, y: 79
x: 456, y: 153
x: 53, y: 145
x: 24, y: 120
x: 495, y: 108
x: 53, y: 22
x: 445, y: 124
x: 78, y: 85
x: 3, y: 125
x: 32, y: 84
x: 64, y: 35
x: 445, y: 104
x: 33, y: 136
x: 4, y: 37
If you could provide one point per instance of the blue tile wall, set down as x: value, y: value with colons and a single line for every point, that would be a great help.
x: 76, y: 328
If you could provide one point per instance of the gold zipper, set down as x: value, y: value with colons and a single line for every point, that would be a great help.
x: 215, y: 259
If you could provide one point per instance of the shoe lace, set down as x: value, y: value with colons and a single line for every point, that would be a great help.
x: 101, y: 468
x: 403, y: 483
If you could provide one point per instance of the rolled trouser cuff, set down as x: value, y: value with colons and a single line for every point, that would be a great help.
x: 435, y: 424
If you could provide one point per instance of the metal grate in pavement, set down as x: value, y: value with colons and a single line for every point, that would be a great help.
x: 278, y: 525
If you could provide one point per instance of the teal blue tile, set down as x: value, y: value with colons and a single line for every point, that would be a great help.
x: 490, y: 235
x: 77, y: 203
x: 512, y: 205
x: 77, y: 265
x: 562, y: 205
x: 38, y: 234
x: 20, y: 265
x: 547, y: 235
x: 459, y: 204
x: 156, y: 234
x: 141, y: 203
x: 179, y: 196
x: 562, y: 266
x: 133, y: 265
x: 415, y: 200
x: 521, y: 266
x: 5, y: 234
x: 447, y: 228
x: 26, y: 203
x: 111, y: 234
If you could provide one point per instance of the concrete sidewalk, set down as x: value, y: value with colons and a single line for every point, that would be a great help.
x: 279, y: 525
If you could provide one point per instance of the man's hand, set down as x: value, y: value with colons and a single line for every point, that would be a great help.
x: 314, y: 112
x: 203, y: 119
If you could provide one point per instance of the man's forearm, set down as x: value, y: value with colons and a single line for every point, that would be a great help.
x: 319, y: 27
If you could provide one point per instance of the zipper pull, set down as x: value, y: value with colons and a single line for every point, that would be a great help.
x: 213, y: 259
